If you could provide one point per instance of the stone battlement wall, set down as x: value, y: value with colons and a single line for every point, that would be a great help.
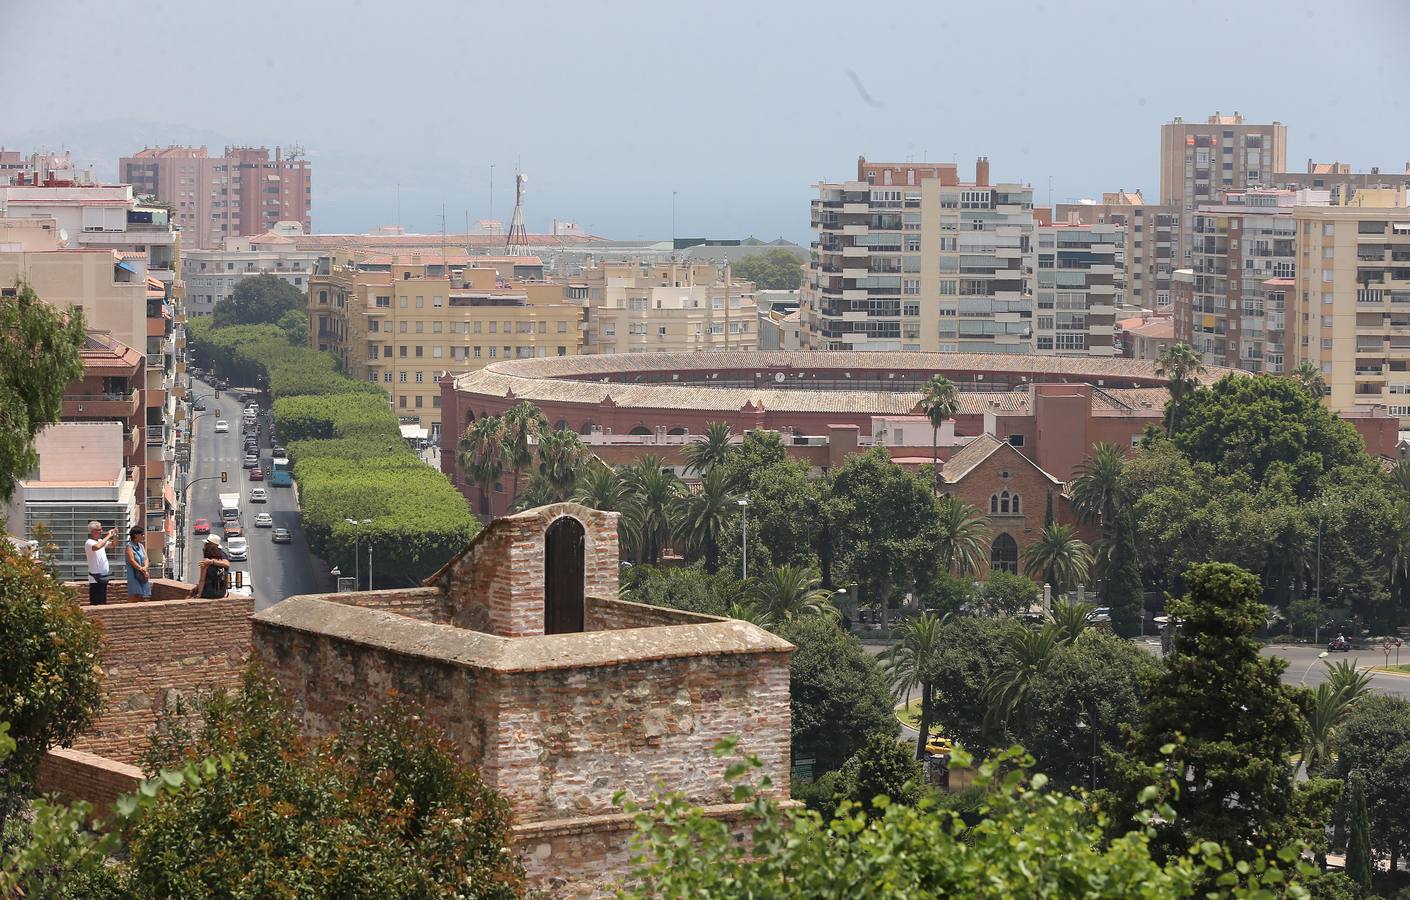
x: 605, y: 614
x: 155, y: 651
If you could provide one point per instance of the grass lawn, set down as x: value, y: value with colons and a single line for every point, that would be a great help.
x: 909, y: 714
x: 1393, y: 668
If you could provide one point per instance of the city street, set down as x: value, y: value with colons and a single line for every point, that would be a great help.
x: 1301, y: 656
x: 276, y: 570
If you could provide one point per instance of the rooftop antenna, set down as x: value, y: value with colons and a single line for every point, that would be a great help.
x: 398, y: 205
x: 491, y: 216
x: 517, y: 243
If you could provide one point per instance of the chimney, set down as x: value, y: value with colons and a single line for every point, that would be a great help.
x: 981, y: 171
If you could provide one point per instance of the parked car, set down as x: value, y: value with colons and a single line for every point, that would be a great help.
x: 251, y: 461
x: 1101, y: 614
x: 222, y: 426
x: 201, y: 526
x: 264, y: 520
x: 199, y: 404
x: 257, y: 475
x: 238, y: 549
x: 281, y: 536
x: 258, y: 495
x: 279, y: 452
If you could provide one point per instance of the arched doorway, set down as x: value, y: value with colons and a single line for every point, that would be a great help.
x: 563, y: 577
x: 640, y: 431
x: 1003, y: 555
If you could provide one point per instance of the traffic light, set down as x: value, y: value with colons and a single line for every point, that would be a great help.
x: 224, y: 477
x: 239, y: 578
x: 217, y: 393
x: 217, y: 412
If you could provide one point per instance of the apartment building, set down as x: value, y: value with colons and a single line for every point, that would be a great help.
x: 1338, y: 179
x: 1236, y: 247
x: 1201, y: 161
x: 242, y: 193
x: 1079, y: 287
x: 402, y: 320
x: 1152, y: 242
x: 211, y: 275
x: 649, y: 307
x: 1353, y: 299
x: 81, y: 477
x: 119, y: 298
x: 909, y: 257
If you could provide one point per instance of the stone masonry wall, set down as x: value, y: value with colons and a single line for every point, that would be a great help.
x: 569, y: 738
x: 604, y: 614
x: 153, y: 652
x: 496, y: 584
x: 325, y: 676
x: 425, y: 604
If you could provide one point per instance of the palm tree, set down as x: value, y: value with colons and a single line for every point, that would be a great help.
x: 910, y: 662
x: 601, y: 487
x: 1310, y: 379
x: 1182, y: 364
x: 562, y: 459
x: 1070, y: 619
x: 963, y: 532
x: 1098, y: 495
x: 1059, y: 557
x: 482, y: 455
x: 522, y: 423
x: 1029, y: 654
x: 702, y: 517
x: 655, y: 491
x: 939, y: 400
x: 713, y: 449
x: 1400, y: 478
x: 1342, y: 674
x: 748, y: 612
x: 787, y: 592
x: 1329, y: 707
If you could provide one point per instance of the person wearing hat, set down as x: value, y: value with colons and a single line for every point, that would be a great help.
x: 139, y: 580
x: 212, y: 579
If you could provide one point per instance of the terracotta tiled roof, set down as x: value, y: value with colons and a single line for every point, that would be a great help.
x: 579, y: 379
x: 1160, y: 328
x: 975, y: 452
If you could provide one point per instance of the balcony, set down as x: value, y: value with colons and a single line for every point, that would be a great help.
x: 101, y: 406
x: 1365, y: 371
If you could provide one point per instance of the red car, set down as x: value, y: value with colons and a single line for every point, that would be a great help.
x: 201, y: 526
x: 257, y: 475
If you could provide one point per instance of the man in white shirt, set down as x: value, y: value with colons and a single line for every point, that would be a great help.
x: 96, y: 550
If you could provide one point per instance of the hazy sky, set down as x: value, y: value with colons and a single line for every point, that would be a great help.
x: 736, y: 107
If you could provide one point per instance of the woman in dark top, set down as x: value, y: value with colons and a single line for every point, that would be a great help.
x: 210, y: 582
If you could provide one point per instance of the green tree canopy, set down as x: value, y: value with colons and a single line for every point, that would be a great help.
x: 259, y: 300
x: 49, y: 687
x: 972, y: 648
x: 294, y: 324
x: 775, y: 270
x: 1266, y: 427
x: 1227, y: 715
x: 39, y: 357
x: 386, y: 802
x: 839, y: 693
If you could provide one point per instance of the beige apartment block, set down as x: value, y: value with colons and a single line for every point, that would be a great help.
x: 401, y: 321
x: 659, y: 307
x: 1337, y: 178
x: 1079, y: 288
x: 1353, y: 295
x: 1200, y: 161
x: 910, y: 258
x: 1236, y: 247
x: 1152, y: 241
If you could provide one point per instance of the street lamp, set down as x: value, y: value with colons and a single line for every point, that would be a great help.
x: 1322, y: 655
x: 357, y: 568
x: 744, y: 537
x: 1088, y: 722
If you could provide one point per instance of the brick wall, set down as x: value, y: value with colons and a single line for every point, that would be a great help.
x: 496, y: 584
x: 426, y: 604
x: 77, y: 775
x: 153, y: 652
x: 162, y: 589
x: 1025, y: 480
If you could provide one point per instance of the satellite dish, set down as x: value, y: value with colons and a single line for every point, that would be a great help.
x: 63, y: 235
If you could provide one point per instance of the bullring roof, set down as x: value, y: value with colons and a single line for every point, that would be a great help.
x: 580, y: 379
